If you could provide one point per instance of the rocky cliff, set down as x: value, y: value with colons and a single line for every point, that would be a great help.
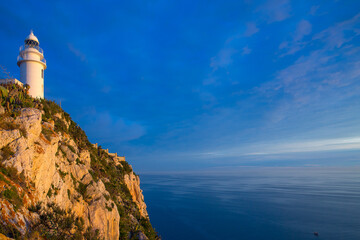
x: 55, y: 184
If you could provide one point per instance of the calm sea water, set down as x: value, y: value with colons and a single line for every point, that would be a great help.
x: 255, y: 203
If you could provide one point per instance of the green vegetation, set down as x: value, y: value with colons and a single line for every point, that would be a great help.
x: 10, y: 231
x: 78, y: 162
x: 49, y: 193
x: 35, y: 208
x: 71, y: 148
x: 47, y: 133
x: 7, y: 125
x: 55, y: 223
x: 60, y: 126
x: 50, y: 109
x: 81, y: 188
x: 14, y: 97
x: 6, y: 152
x: 12, y: 174
x: 62, y: 174
x: 12, y: 195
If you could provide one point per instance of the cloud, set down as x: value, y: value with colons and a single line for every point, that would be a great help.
x: 332, y: 144
x: 352, y: 143
x: 276, y: 10
x: 341, y: 33
x: 303, y: 29
x: 77, y: 53
x: 106, y: 128
x: 314, y: 10
x: 223, y: 58
x: 319, y: 82
x: 246, y: 50
x: 316, y: 75
x: 251, y: 29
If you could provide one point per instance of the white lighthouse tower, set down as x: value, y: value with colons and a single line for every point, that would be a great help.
x: 32, y: 65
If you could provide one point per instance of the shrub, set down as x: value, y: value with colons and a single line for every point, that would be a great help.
x: 23, y: 132
x: 47, y: 133
x: 78, y: 161
x: 71, y: 148
x: 60, y: 126
x: 56, y: 223
x: 62, y: 174
x: 12, y: 196
x: 49, y: 193
x: 126, y: 166
x: 35, y: 208
x: 8, y: 125
x: 6, y: 152
x: 82, y: 189
x: 10, y: 231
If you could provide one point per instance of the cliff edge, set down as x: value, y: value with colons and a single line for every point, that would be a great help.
x: 55, y: 184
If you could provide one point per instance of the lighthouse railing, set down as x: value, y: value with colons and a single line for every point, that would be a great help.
x: 23, y: 47
x: 19, y: 58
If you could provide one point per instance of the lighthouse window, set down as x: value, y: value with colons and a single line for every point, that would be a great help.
x: 42, y: 73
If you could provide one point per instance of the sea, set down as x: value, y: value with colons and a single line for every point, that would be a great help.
x: 255, y: 203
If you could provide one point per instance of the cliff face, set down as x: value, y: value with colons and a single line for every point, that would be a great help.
x: 48, y: 167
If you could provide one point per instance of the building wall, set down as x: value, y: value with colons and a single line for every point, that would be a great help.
x: 31, y: 74
x: 11, y: 80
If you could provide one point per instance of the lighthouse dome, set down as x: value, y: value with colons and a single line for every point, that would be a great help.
x: 31, y: 40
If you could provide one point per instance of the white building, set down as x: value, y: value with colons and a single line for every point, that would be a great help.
x: 32, y: 65
x: 11, y: 81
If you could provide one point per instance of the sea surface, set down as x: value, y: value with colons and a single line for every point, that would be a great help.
x: 255, y: 203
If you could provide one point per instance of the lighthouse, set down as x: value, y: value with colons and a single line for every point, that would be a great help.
x: 32, y: 65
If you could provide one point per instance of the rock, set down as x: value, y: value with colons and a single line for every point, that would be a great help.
x: 133, y: 184
x: 85, y: 158
x: 2, y: 110
x: 57, y: 178
x: 140, y: 236
x: 49, y: 125
x: 101, y: 218
x: 8, y: 136
x: 3, y: 237
x: 70, y: 155
x: 30, y: 121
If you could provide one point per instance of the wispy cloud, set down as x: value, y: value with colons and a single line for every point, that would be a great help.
x: 246, y: 50
x: 251, y: 29
x: 77, y: 52
x: 275, y: 10
x: 335, y: 144
x: 104, y: 127
x: 320, y: 72
x: 341, y: 33
x: 223, y: 59
x: 314, y: 10
x: 303, y: 29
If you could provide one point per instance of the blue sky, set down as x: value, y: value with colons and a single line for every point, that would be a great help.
x: 197, y: 84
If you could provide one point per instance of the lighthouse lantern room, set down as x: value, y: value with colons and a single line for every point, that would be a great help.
x: 32, y: 65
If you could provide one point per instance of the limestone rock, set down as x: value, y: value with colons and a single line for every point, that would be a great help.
x: 8, y: 136
x: 59, y: 172
x: 101, y: 218
x: 133, y: 184
x: 140, y: 236
x: 30, y: 121
x: 2, y: 237
x: 2, y: 110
